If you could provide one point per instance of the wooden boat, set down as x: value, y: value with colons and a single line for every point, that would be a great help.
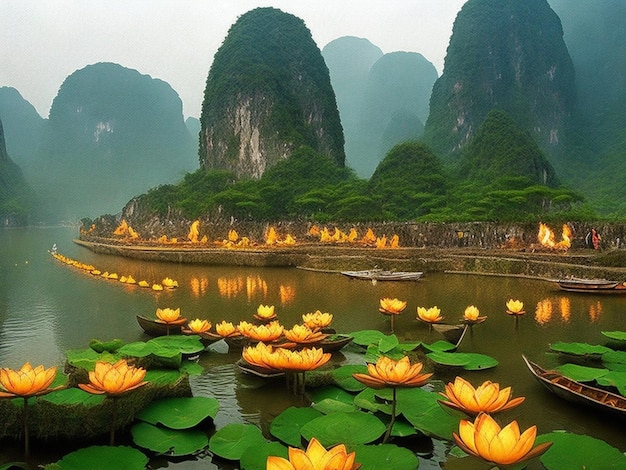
x: 152, y: 327
x: 592, y: 286
x: 383, y: 275
x: 578, y: 392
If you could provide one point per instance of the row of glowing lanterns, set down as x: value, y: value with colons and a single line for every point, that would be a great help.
x: 166, y: 283
x: 271, y: 238
x: 480, y: 436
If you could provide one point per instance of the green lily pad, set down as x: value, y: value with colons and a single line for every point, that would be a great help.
x: 421, y: 408
x: 581, y: 373
x: 387, y: 343
x: 186, y: 344
x: 440, y: 345
x: 87, y: 358
x: 612, y: 360
x: 72, y: 396
x: 287, y: 425
x: 614, y: 379
x: 255, y: 458
x: 367, y: 337
x: 329, y: 405
x: 179, y: 412
x: 570, y: 450
x: 385, y: 457
x: 343, y: 377
x: 231, y: 441
x: 367, y: 400
x: 330, y: 391
x: 406, y: 347
x: 469, y: 361
x: 579, y: 349
x: 401, y: 427
x: 104, y: 458
x: 172, y: 442
x: 344, y: 428
x: 616, y: 335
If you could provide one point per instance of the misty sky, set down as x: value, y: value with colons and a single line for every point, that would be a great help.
x: 44, y: 41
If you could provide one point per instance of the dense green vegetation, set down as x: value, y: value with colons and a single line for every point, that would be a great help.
x: 410, y: 184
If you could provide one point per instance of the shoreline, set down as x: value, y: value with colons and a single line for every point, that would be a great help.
x: 536, y: 264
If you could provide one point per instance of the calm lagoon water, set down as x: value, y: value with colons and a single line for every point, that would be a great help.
x: 47, y: 308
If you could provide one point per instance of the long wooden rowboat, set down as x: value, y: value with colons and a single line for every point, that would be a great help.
x: 578, y: 392
x: 382, y: 275
x: 152, y: 327
x: 592, y: 286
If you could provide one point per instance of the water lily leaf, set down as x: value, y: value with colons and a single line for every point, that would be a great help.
x: 255, y: 458
x: 367, y: 337
x: 581, y: 373
x: 104, y: 458
x: 469, y: 361
x: 579, y: 349
x: 343, y: 377
x: 144, y: 349
x: 344, y: 428
x: 180, y: 412
x: 440, y: 345
x: 186, y: 344
x: 421, y: 408
x: 577, y: 451
x: 616, y: 335
x: 172, y: 442
x: 163, y: 376
x: 86, y: 358
x: 287, y: 425
x: 367, y: 400
x: 372, y: 354
x: 401, y: 427
x: 329, y: 405
x: 387, y: 343
x: 614, y: 379
x: 385, y: 457
x: 72, y: 396
x: 614, y: 358
x: 409, y: 346
x: 332, y: 392
x: 231, y: 441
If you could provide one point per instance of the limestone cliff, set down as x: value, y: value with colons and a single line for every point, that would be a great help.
x: 268, y: 92
x: 505, y: 54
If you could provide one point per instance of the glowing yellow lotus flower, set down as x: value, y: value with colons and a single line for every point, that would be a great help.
x: 26, y: 382
x: 487, y: 397
x: 502, y: 446
x: 114, y: 379
x: 199, y: 326
x: 430, y: 315
x: 170, y: 316
x: 316, y: 457
x: 257, y: 355
x: 472, y: 315
x: 391, y: 306
x: 266, y: 333
x: 298, y: 361
x: 303, y: 334
x: 317, y: 319
x: 515, y: 307
x: 265, y: 312
x: 388, y: 372
x: 226, y: 329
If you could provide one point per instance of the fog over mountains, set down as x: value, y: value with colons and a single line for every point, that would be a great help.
x: 557, y: 67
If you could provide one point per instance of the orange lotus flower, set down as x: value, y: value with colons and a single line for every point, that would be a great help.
x: 316, y: 457
x: 226, y: 329
x: 515, y: 307
x: 303, y: 334
x: 388, y: 372
x: 258, y: 355
x: 391, y: 306
x: 265, y: 312
x: 170, y: 316
x: 502, y: 446
x: 299, y: 360
x: 26, y: 382
x: 114, y: 379
x: 472, y: 315
x: 317, y: 319
x: 487, y: 397
x: 266, y: 333
x: 430, y: 315
x: 199, y: 326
